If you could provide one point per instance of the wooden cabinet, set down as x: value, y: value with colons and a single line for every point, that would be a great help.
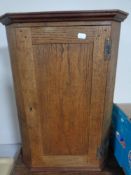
x: 64, y: 66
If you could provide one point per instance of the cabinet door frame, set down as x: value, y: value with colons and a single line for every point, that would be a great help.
x: 28, y: 36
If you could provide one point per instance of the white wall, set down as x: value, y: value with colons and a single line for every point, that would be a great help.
x: 9, y: 128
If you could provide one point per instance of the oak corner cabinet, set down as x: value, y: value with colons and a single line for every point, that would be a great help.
x: 64, y: 66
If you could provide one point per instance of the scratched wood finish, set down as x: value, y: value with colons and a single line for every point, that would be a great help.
x: 64, y: 88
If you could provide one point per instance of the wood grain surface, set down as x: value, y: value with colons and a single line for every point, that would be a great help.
x: 64, y: 89
x: 90, y: 15
x: 111, y: 168
x: 61, y: 82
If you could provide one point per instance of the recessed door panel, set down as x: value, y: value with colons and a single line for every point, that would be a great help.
x: 63, y: 75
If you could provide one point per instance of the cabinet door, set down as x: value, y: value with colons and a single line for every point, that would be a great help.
x: 62, y: 73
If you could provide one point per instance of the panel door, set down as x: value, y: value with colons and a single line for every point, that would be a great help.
x: 62, y: 73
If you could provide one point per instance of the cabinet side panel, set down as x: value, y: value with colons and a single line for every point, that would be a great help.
x: 115, y: 32
x: 11, y: 36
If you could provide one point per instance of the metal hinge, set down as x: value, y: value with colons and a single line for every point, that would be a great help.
x: 100, y: 153
x: 102, y: 149
x: 107, y: 48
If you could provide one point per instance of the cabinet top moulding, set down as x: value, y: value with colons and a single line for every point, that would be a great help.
x: 60, y: 16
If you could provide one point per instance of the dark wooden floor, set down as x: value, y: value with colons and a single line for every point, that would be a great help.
x: 111, y: 168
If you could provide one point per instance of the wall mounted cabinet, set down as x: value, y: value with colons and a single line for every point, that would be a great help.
x: 64, y: 66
